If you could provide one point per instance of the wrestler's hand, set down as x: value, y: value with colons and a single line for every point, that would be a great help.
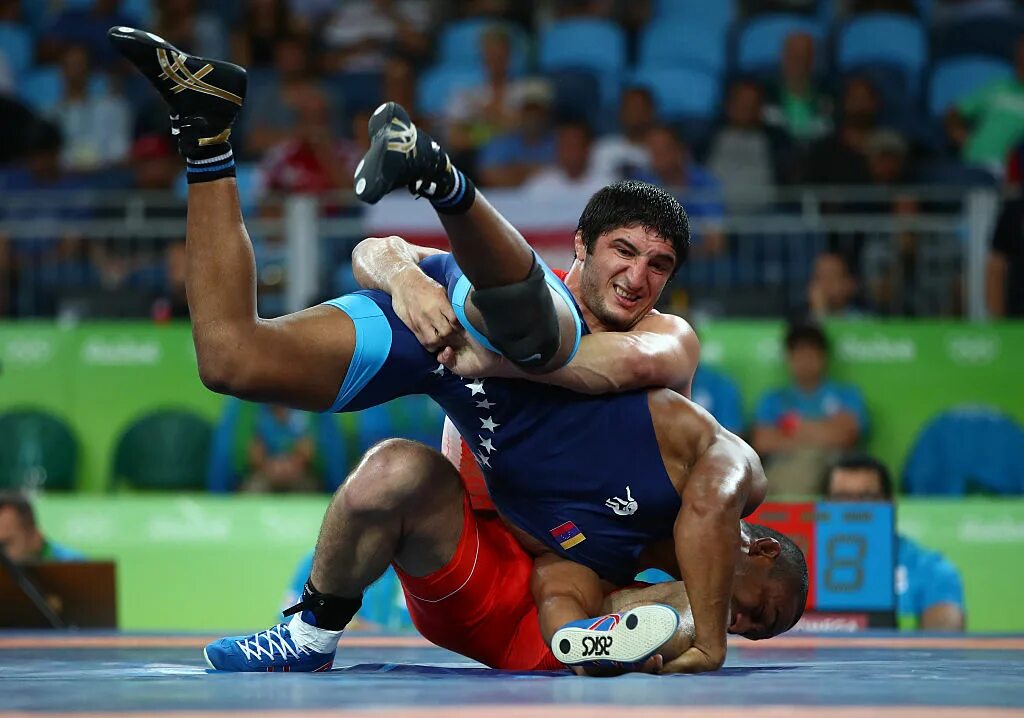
x: 422, y: 305
x: 468, y: 358
x: 695, y: 660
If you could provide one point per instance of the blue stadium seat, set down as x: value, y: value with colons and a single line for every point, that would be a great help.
x: 16, y: 46
x: 967, y: 450
x: 577, y: 95
x: 666, y: 44
x: 883, y: 38
x: 957, y: 77
x: 595, y: 45
x: 994, y: 36
x: 681, y: 92
x: 712, y: 15
x: 460, y: 44
x: 42, y: 88
x: 439, y: 84
x: 760, y: 42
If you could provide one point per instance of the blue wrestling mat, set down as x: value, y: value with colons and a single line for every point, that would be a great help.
x: 876, y: 675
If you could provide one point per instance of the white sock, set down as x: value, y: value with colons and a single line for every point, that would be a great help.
x: 317, y: 639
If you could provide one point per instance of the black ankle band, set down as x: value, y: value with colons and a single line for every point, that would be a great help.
x: 332, y: 613
x: 459, y: 199
x: 210, y: 162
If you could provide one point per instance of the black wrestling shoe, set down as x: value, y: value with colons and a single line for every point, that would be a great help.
x: 401, y: 155
x: 204, y: 95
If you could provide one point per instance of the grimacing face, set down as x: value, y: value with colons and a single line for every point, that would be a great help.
x: 762, y: 606
x: 624, y: 275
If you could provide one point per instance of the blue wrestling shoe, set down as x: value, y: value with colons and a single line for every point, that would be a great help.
x: 618, y: 639
x: 293, y: 646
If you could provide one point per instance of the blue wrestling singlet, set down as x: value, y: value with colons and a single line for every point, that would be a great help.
x: 583, y: 474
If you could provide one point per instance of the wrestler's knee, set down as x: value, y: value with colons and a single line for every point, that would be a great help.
x: 397, y: 474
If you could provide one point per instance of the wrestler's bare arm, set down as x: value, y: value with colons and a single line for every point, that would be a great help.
x: 662, y: 350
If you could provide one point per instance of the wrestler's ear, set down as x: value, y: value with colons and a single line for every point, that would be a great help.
x: 578, y: 247
x: 765, y: 546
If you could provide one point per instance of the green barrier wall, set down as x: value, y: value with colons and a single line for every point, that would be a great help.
x: 200, y: 563
x: 101, y: 376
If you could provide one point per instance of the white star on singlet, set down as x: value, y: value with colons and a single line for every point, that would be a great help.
x: 485, y: 404
x: 486, y: 443
x: 489, y: 424
x: 484, y: 461
x: 476, y: 386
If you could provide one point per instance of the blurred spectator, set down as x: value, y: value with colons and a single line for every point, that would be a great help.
x: 18, y: 125
x: 263, y: 22
x: 306, y: 159
x: 798, y: 105
x: 698, y: 190
x: 281, y: 451
x: 625, y: 154
x: 478, y: 114
x: 172, y: 303
x: 83, y: 24
x: 361, y: 34
x: 800, y: 428
x: 832, y: 291
x: 97, y: 127
x: 746, y: 155
x: 887, y: 154
x: 840, y: 157
x: 573, y: 170
x: 1005, y: 269
x: 987, y: 124
x: 399, y: 85
x: 22, y: 539
x: 273, y: 95
x: 508, y: 160
x: 183, y: 24
x: 928, y: 586
x: 720, y: 395
x: 36, y: 268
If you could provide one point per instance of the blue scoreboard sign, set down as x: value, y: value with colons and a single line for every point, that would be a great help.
x: 851, y: 558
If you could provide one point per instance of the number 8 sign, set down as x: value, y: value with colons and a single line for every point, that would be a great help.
x: 855, y: 559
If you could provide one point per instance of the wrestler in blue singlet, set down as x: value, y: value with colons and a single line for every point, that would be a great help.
x: 583, y: 474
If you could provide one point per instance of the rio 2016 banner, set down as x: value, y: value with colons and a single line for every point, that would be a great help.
x: 99, y: 377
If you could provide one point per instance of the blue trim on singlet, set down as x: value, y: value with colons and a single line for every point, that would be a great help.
x: 373, y: 343
x: 461, y: 292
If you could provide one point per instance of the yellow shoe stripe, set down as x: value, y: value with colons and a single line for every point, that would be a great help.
x: 183, y: 79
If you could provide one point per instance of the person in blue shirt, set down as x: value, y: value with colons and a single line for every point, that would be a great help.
x: 20, y: 536
x: 929, y: 592
x: 801, y: 428
x: 720, y: 395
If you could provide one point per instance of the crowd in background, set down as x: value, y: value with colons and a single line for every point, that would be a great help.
x: 78, y: 119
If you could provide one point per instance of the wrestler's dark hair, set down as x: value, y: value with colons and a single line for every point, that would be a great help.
x: 636, y: 204
x: 790, y: 566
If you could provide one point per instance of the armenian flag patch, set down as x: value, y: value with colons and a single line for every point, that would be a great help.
x: 567, y: 535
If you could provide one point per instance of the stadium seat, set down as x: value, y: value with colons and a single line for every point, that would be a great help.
x: 711, y: 15
x: 958, y: 77
x: 967, y: 450
x: 577, y: 95
x: 760, y: 42
x: 992, y: 36
x: 165, y: 450
x: 595, y: 45
x: 460, y: 44
x: 16, y: 46
x: 439, y: 84
x: 883, y: 38
x: 42, y: 88
x: 665, y: 44
x: 37, y: 451
x: 681, y: 92
x: 412, y: 417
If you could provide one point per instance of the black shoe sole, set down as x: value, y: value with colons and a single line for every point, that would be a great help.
x: 371, y: 175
